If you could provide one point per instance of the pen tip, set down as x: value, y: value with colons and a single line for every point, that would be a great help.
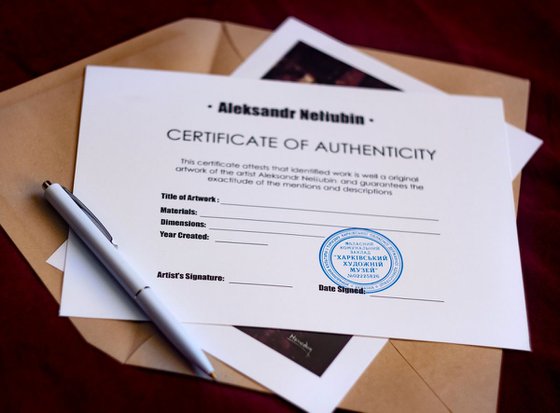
x: 46, y: 184
x: 213, y: 375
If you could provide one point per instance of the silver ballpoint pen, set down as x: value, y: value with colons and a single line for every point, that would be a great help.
x: 96, y: 237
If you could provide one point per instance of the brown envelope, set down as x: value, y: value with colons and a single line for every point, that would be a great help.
x: 39, y: 122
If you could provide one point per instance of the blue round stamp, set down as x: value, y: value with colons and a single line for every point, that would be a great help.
x: 361, y: 258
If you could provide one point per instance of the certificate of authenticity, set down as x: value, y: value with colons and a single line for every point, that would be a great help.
x: 310, y: 207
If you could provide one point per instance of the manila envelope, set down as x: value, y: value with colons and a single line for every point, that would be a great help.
x: 39, y: 122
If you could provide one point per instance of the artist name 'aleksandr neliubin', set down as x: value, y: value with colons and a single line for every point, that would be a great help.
x: 288, y: 113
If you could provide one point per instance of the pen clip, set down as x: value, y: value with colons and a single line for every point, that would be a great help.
x: 91, y: 216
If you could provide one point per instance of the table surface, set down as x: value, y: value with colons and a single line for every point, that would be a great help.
x: 521, y: 38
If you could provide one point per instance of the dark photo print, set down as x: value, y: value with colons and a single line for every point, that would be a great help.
x: 313, y: 351
x: 305, y: 64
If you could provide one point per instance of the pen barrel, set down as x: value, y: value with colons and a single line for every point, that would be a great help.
x: 175, y: 332
x: 126, y: 275
x: 94, y: 239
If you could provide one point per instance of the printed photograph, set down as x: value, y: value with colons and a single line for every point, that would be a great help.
x: 313, y: 351
x: 306, y: 64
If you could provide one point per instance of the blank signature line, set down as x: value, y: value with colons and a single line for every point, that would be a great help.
x: 408, y: 298
x: 261, y: 285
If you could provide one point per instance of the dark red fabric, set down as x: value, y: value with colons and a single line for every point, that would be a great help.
x: 45, y: 365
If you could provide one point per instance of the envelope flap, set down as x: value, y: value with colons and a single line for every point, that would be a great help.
x: 117, y: 338
x: 464, y: 377
x: 227, y: 56
x: 244, y: 39
x: 392, y: 386
x: 156, y: 353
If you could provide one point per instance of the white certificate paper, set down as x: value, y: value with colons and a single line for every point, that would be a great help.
x: 314, y: 208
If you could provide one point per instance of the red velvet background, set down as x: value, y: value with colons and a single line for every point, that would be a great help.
x: 45, y: 365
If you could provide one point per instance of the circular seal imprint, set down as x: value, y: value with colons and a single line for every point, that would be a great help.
x: 361, y: 258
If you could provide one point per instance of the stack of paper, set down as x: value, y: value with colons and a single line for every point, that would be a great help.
x: 307, y: 214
